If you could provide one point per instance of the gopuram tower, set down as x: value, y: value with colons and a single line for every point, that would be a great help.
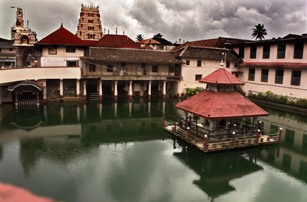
x: 89, y: 27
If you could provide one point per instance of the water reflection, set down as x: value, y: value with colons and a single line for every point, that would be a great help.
x: 118, y: 152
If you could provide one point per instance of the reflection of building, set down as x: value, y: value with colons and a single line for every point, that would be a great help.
x: 291, y: 156
x: 216, y: 172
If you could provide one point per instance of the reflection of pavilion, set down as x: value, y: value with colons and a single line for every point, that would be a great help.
x: 216, y: 171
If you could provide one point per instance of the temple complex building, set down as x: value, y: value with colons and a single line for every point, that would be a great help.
x: 89, y: 27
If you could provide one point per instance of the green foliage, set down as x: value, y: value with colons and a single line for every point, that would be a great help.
x: 280, y: 99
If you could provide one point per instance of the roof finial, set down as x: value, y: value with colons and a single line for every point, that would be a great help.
x: 116, y: 31
x: 62, y: 24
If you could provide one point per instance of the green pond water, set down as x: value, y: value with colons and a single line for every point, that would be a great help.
x: 118, y: 152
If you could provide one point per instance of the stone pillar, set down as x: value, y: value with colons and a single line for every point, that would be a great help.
x: 78, y: 87
x: 100, y: 89
x: 115, y: 90
x: 149, y: 89
x: 61, y: 88
x: 164, y: 90
x: 84, y: 88
x: 130, y: 90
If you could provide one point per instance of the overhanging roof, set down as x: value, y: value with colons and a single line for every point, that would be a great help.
x: 210, y: 104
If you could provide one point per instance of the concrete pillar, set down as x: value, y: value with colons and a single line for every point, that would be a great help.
x: 115, y: 89
x: 78, y: 87
x: 164, y: 89
x: 149, y: 88
x: 130, y: 90
x: 61, y: 87
x: 100, y: 89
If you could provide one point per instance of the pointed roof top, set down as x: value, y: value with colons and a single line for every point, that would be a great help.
x: 221, y: 76
x: 210, y: 104
x: 117, y: 41
x: 62, y: 37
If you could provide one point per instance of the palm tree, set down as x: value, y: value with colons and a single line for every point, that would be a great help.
x: 259, y: 32
x: 140, y: 37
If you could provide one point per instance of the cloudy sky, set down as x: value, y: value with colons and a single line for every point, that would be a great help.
x: 174, y: 19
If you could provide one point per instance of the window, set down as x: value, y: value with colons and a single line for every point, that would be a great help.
x: 253, y: 52
x: 171, y: 69
x: 198, y: 77
x: 72, y: 63
x: 241, y: 52
x: 109, y: 68
x: 251, y: 74
x: 92, y: 68
x: 187, y: 62
x: 266, y: 51
x: 296, y: 77
x: 279, y: 76
x: 298, y: 50
x: 198, y: 63
x: 70, y: 49
x: 264, y: 75
x: 281, y: 51
x: 227, y: 64
x: 52, y: 50
x: 90, y: 28
x: 155, y: 68
x: 91, y: 36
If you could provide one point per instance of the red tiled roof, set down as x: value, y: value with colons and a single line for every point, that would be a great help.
x: 211, y: 104
x: 117, y: 41
x: 216, y: 42
x: 221, y: 76
x: 62, y: 37
x: 274, y: 64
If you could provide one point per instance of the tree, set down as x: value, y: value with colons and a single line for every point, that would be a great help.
x: 259, y: 32
x: 158, y: 36
x: 140, y: 37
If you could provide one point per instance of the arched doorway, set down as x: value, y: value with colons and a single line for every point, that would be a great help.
x: 26, y: 93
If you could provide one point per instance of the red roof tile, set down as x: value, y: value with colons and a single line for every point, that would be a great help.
x: 62, y: 37
x: 117, y: 41
x: 274, y: 64
x: 211, y: 104
x: 221, y: 76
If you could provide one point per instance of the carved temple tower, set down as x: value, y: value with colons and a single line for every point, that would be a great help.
x: 21, y: 35
x: 89, y: 27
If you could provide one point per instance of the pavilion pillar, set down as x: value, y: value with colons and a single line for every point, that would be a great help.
x: 130, y: 90
x: 100, y: 89
x: 78, y: 87
x: 44, y: 91
x: 115, y: 90
x: 61, y: 88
